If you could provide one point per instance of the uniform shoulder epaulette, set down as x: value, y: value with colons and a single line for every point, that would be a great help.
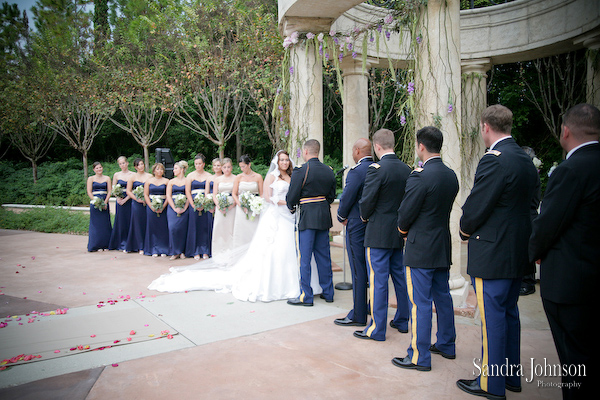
x: 330, y: 167
x: 374, y: 165
x: 494, y: 152
x: 418, y: 169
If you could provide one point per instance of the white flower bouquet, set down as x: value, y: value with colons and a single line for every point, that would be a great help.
x: 224, y: 200
x: 118, y: 191
x: 246, y: 202
x: 179, y: 201
x: 98, y: 203
x: 257, y: 205
x: 156, y: 202
x: 138, y: 192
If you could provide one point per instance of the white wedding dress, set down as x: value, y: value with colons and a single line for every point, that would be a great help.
x: 266, y: 269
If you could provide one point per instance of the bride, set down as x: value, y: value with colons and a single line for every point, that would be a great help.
x: 266, y: 269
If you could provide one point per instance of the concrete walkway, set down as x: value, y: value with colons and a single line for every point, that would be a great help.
x: 224, y: 349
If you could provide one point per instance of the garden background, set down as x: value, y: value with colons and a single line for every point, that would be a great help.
x: 85, y: 81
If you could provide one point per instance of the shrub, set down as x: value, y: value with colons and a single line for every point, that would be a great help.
x: 50, y: 220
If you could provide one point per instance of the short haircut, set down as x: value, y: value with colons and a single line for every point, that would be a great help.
x: 384, y: 138
x: 498, y: 117
x: 313, y: 146
x: 583, y: 120
x: 156, y: 166
x: 430, y: 137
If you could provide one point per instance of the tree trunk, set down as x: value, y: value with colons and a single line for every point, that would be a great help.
x: 238, y: 145
x: 34, y: 167
x: 85, y: 165
x: 146, y: 157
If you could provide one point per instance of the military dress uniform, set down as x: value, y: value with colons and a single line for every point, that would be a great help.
x: 566, y: 238
x: 424, y: 219
x: 382, y: 194
x: 312, y: 187
x: 496, y: 221
x: 348, y: 210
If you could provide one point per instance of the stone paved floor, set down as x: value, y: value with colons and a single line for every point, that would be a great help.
x: 285, y: 353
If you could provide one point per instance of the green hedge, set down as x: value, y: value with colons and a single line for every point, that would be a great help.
x: 50, y: 220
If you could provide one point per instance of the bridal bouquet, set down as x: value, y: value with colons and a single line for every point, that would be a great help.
x: 203, y: 202
x: 179, y: 201
x: 118, y: 191
x: 138, y: 192
x: 209, y: 203
x: 98, y: 203
x: 224, y: 200
x: 156, y: 202
x: 257, y: 205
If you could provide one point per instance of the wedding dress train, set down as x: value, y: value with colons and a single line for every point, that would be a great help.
x: 266, y: 269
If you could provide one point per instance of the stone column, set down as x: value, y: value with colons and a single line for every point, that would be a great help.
x: 473, y: 102
x: 306, y: 85
x: 356, y: 105
x: 438, y: 103
x: 593, y: 70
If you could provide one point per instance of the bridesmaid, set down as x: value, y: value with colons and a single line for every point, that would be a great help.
x: 222, y: 239
x: 247, y: 181
x: 216, y: 167
x: 157, y: 232
x: 178, y: 218
x: 118, y: 238
x: 198, y: 236
x: 98, y: 185
x: 137, y: 228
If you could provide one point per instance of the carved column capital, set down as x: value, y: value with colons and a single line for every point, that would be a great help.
x: 305, y: 24
x: 476, y: 66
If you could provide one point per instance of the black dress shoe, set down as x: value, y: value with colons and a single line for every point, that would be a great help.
x: 393, y: 325
x: 472, y: 387
x: 525, y: 291
x: 362, y: 335
x: 298, y: 302
x: 516, y: 389
x: 435, y: 350
x: 407, y: 364
x: 326, y: 300
x: 347, y: 322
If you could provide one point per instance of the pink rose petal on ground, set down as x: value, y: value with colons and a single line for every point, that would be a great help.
x: 132, y: 332
x: 115, y: 365
x: 92, y: 336
x: 129, y: 339
x: 169, y: 336
x: 33, y: 257
x: 56, y: 351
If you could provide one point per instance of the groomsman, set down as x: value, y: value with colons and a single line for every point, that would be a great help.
x: 313, y: 188
x: 424, y: 220
x: 349, y: 215
x: 497, y: 224
x: 567, y: 240
x: 382, y: 195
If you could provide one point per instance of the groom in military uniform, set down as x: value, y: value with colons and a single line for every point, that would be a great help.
x: 313, y: 188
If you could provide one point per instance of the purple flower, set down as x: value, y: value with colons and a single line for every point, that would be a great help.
x: 388, y: 19
x: 335, y: 40
x: 354, y: 55
x: 281, y: 109
x: 320, y: 37
x: 292, y: 70
x: 298, y: 153
x: 420, y: 164
x: 326, y: 56
x: 287, y: 133
x: 321, y: 49
x: 388, y: 34
x: 310, y: 35
x: 419, y: 39
x: 341, y: 56
x: 379, y: 28
x: 372, y: 39
x: 402, y: 120
x: 450, y: 108
x: 349, y: 46
x: 411, y: 87
x: 278, y: 90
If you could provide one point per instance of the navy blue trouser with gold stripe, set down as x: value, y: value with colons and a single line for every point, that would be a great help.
x: 500, y: 332
x: 424, y: 286
x: 314, y: 241
x: 355, y: 237
x: 383, y: 263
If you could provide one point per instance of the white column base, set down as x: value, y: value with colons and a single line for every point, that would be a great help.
x: 459, y: 294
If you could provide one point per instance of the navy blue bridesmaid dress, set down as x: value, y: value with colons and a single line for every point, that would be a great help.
x: 178, y: 225
x: 137, y: 227
x: 100, y: 230
x: 157, y: 230
x: 118, y: 238
x: 200, y: 227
